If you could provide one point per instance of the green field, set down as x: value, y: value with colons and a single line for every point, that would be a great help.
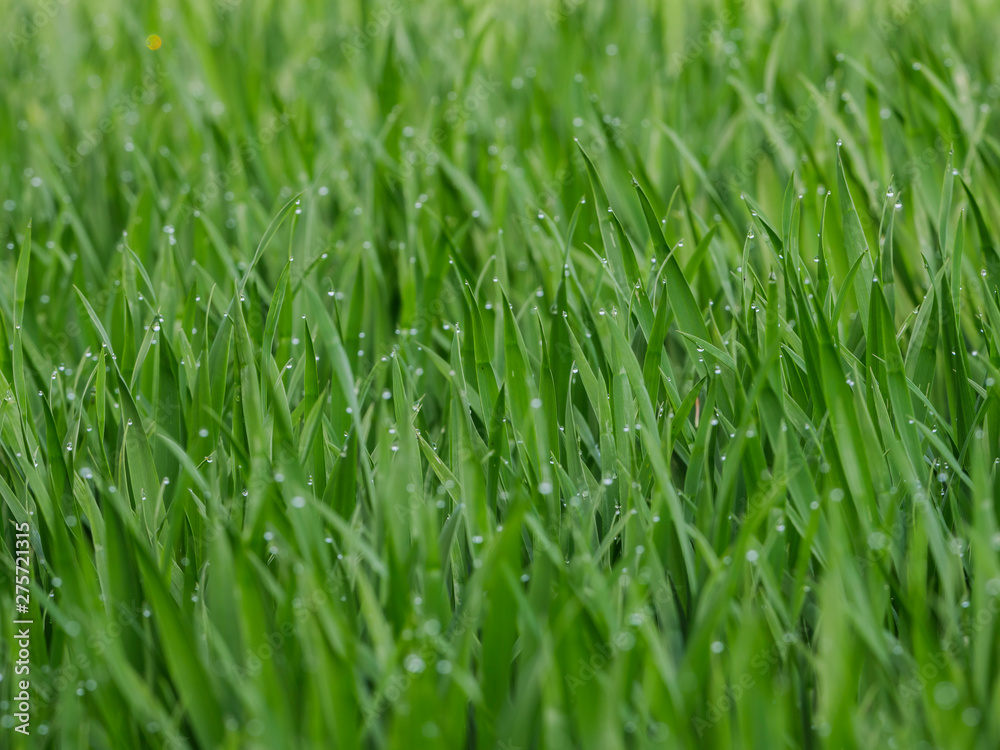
x: 499, y: 375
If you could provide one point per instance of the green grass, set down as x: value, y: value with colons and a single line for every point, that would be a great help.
x: 502, y: 375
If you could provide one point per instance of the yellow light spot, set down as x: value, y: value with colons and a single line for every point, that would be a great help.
x: 153, y: 41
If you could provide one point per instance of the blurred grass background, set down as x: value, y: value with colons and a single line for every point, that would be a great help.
x: 369, y: 482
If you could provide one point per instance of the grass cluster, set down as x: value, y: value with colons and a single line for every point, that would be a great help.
x: 502, y: 375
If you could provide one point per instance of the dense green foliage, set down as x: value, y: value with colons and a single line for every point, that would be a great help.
x: 502, y: 374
